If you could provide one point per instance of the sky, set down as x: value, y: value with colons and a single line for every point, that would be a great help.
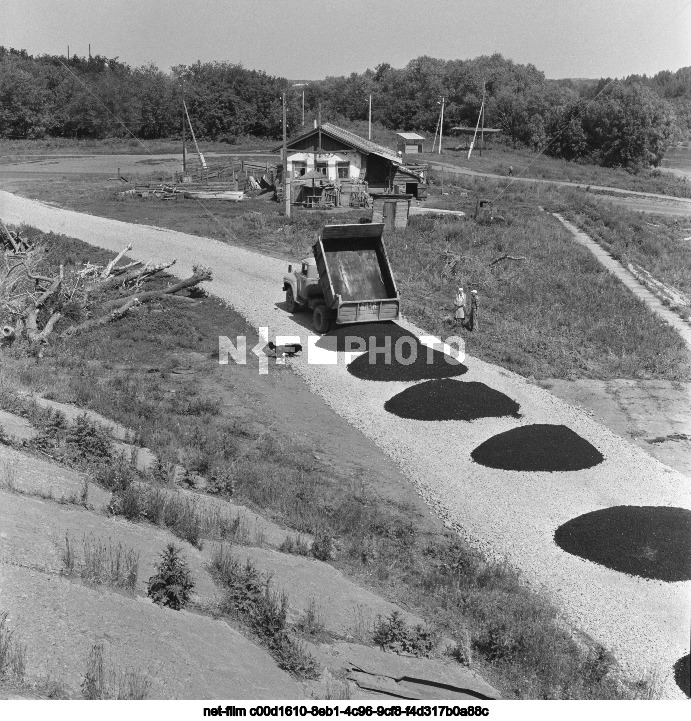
x: 308, y: 39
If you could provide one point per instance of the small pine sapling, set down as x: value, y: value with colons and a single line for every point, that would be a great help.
x: 172, y: 584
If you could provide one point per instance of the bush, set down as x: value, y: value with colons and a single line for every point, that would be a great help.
x: 88, y: 440
x: 249, y: 596
x: 172, y: 584
x: 393, y: 634
x: 323, y: 547
x: 298, y: 546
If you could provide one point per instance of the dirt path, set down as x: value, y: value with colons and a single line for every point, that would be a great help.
x: 638, y: 289
x: 508, y: 514
x: 633, y: 199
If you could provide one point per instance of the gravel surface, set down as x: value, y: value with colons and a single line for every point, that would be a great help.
x: 651, y: 542
x: 539, y: 447
x: 508, y: 514
x: 450, y: 400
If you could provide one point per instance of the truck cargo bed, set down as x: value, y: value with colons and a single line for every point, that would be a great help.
x: 354, y: 273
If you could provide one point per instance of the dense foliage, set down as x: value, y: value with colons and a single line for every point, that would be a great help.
x: 627, y: 122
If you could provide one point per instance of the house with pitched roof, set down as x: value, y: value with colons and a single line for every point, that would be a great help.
x: 342, y: 156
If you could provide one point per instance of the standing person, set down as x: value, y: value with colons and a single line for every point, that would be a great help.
x: 510, y: 171
x: 459, y: 302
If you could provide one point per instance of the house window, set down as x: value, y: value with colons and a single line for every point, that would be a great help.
x: 322, y: 168
x: 343, y: 170
x: 299, y: 168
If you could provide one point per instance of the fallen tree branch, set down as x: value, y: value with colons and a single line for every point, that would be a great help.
x: 508, y: 257
x: 109, y: 268
x: 146, y: 272
x: 51, y: 290
x: 199, y: 277
x: 119, y: 307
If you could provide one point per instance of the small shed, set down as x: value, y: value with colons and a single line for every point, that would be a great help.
x: 392, y: 209
x: 409, y: 143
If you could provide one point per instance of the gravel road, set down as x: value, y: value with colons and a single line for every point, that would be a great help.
x: 508, y: 514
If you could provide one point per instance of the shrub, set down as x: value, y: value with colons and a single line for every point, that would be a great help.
x: 298, y: 546
x: 88, y: 440
x: 323, y: 547
x: 249, y: 596
x: 172, y: 584
x: 393, y: 634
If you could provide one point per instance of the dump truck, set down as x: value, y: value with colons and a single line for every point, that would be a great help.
x: 349, y: 279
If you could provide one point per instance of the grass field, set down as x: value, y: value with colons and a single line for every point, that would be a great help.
x: 525, y: 163
x: 11, y: 149
x: 656, y: 243
x: 126, y: 371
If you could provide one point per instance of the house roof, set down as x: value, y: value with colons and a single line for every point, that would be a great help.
x: 357, y: 143
x: 465, y: 130
x: 350, y: 139
x: 410, y: 136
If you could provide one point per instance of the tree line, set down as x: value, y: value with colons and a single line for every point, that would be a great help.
x: 628, y: 122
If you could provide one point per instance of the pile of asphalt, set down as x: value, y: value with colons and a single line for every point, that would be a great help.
x: 538, y: 447
x: 356, y: 337
x: 396, y: 355
x: 646, y: 541
x: 451, y: 400
x: 682, y: 674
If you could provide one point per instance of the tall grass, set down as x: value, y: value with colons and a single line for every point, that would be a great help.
x: 101, y: 682
x: 186, y: 517
x: 101, y: 562
x: 654, y: 242
x: 12, y: 652
x: 558, y: 314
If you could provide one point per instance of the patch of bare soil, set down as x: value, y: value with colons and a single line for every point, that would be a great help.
x: 655, y: 415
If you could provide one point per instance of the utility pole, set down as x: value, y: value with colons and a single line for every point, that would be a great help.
x: 89, y: 51
x: 370, y: 117
x: 482, y: 115
x: 319, y: 132
x: 184, y: 147
x: 441, y: 122
x: 68, y: 52
x: 303, y: 108
x: 286, y: 180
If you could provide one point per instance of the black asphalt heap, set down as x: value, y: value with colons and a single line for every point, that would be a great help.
x: 355, y: 337
x: 393, y: 354
x: 682, y: 674
x: 538, y: 447
x: 647, y: 541
x: 451, y: 400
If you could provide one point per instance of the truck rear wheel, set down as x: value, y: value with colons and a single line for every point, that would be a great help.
x: 291, y: 305
x: 321, y: 320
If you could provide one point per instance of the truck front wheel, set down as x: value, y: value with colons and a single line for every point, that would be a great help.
x: 291, y: 305
x: 321, y: 320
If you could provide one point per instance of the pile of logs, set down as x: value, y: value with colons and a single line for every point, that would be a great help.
x: 31, y: 303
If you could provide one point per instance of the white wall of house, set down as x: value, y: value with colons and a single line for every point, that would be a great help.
x: 331, y: 159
